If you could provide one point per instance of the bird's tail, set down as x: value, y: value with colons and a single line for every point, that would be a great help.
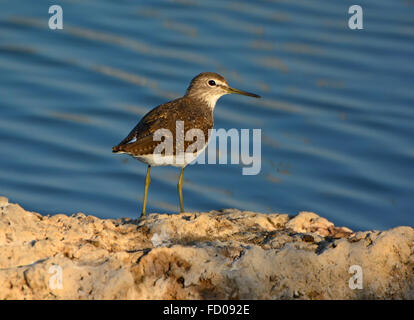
x: 116, y: 149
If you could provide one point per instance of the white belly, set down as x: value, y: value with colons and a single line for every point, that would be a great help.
x: 180, y: 162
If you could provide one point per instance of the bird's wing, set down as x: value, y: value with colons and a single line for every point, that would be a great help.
x: 140, y: 141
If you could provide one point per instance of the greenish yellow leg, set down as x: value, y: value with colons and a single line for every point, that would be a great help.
x: 180, y: 189
x: 147, y: 183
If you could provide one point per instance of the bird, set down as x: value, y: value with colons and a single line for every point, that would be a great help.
x: 195, y: 110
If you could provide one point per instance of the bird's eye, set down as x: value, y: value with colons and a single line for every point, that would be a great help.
x: 212, y: 83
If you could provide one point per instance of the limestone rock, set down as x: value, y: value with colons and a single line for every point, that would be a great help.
x: 227, y: 254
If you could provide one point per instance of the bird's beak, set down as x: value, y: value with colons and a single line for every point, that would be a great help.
x: 232, y: 90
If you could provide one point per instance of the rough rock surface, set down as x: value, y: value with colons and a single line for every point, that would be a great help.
x: 226, y: 254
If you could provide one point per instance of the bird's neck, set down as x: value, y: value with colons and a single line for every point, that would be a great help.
x: 206, y: 98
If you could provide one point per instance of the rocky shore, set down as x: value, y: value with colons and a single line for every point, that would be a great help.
x: 227, y: 254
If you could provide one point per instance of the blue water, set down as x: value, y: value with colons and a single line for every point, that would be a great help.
x: 337, y: 113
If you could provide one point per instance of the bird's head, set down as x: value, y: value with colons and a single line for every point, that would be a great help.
x: 210, y: 86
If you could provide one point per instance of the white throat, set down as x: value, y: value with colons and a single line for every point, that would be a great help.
x: 210, y: 99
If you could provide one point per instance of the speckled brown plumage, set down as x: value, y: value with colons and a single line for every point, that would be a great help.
x: 192, y: 111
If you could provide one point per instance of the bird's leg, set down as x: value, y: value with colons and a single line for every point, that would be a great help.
x: 147, y: 182
x: 180, y: 189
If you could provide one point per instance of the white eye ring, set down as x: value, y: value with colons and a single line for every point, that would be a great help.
x: 211, y: 83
